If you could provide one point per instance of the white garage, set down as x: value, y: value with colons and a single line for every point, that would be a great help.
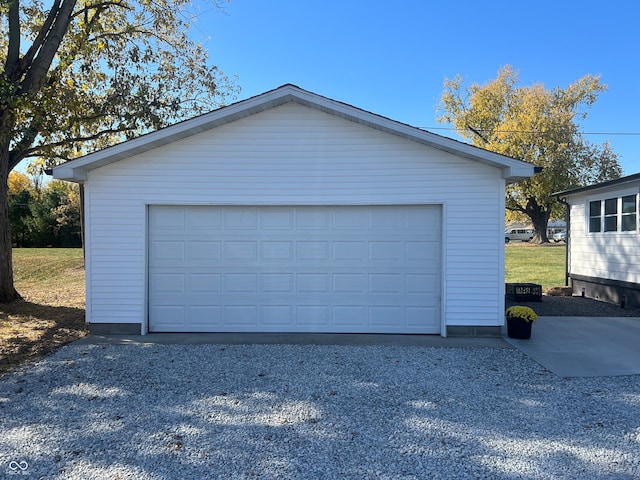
x: 292, y: 212
x: 369, y: 269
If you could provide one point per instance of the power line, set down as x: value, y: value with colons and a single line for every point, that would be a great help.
x: 629, y: 134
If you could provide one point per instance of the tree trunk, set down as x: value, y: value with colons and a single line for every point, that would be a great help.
x: 8, y: 292
x: 539, y: 216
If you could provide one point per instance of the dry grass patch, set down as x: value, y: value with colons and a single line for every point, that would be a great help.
x: 51, y: 314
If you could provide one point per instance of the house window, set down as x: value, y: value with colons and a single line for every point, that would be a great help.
x: 595, y: 213
x: 629, y: 214
x: 611, y: 215
x: 618, y: 214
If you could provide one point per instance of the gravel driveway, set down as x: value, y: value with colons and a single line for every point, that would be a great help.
x: 291, y: 411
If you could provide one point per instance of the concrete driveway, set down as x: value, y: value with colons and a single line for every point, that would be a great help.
x: 585, y: 346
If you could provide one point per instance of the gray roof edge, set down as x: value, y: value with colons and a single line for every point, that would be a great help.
x: 610, y: 183
x: 513, y: 170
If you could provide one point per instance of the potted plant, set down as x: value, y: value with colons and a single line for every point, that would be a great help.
x: 519, y: 321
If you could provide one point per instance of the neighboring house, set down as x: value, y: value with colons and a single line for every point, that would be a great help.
x: 292, y: 212
x: 603, y: 259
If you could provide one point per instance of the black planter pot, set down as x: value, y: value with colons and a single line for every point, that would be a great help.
x: 519, y: 328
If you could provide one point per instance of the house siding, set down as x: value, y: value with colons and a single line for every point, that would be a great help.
x: 611, y: 256
x: 294, y: 155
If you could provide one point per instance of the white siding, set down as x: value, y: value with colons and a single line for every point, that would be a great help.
x: 610, y: 255
x: 295, y: 155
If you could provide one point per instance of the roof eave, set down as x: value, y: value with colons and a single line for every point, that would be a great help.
x: 611, y: 183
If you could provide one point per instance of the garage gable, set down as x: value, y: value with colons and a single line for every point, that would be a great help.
x: 77, y: 170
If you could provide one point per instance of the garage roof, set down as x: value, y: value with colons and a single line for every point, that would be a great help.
x: 76, y: 170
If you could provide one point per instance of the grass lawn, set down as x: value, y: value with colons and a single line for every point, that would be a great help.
x: 542, y: 264
x: 50, y: 276
x: 51, y: 314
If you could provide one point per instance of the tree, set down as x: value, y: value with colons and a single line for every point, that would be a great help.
x: 20, y: 190
x: 85, y: 74
x: 44, y: 215
x: 68, y: 221
x: 54, y: 216
x: 536, y: 125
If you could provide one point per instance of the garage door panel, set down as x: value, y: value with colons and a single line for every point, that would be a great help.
x: 418, y: 283
x: 204, y: 316
x: 167, y: 218
x: 277, y: 269
x: 240, y: 283
x: 276, y: 283
x: 240, y: 315
x: 312, y: 218
x: 277, y: 315
x: 350, y: 218
x: 312, y: 315
x: 245, y: 218
x: 276, y: 250
x: 312, y: 250
x: 203, y: 251
x: 422, y: 317
x: 205, y: 283
x: 168, y: 318
x: 349, y: 283
x: 385, y: 315
x: 349, y: 251
x: 385, y: 251
x: 203, y: 218
x: 164, y: 283
x: 312, y: 283
x: 349, y: 316
x: 240, y: 251
x: 276, y: 218
x: 167, y: 251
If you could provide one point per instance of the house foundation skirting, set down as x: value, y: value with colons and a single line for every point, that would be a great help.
x: 625, y: 294
x: 473, y: 331
x: 135, y: 329
x: 115, y: 328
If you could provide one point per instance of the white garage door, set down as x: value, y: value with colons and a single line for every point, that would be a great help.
x: 353, y: 269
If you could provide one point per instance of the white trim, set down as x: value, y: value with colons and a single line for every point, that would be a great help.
x: 146, y: 326
x: 502, y: 266
x: 443, y: 272
x: 87, y: 252
x: 311, y: 203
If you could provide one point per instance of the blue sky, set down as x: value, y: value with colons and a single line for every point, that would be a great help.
x: 391, y: 58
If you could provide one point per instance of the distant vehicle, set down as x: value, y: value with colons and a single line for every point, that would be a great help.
x: 522, y: 234
x: 560, y: 236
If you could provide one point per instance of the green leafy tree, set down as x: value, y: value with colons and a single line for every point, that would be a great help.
x: 537, y: 125
x: 54, y: 219
x: 79, y: 75
x: 19, y: 215
x: 68, y: 222
x: 20, y: 189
